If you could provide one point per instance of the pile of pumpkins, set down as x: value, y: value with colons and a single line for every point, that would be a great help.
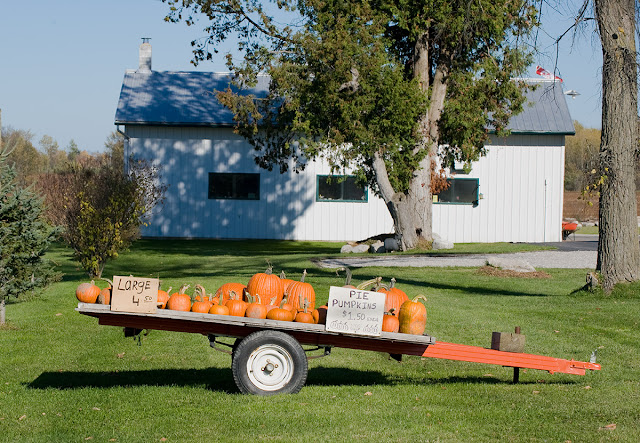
x: 268, y: 296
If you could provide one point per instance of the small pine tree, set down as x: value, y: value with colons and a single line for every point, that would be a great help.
x: 24, y: 238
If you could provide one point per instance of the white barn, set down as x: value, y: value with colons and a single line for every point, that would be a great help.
x: 173, y: 119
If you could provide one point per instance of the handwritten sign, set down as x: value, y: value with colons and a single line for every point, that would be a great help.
x: 134, y: 294
x: 353, y: 311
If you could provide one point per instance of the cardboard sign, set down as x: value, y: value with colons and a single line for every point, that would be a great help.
x: 353, y: 311
x: 134, y: 294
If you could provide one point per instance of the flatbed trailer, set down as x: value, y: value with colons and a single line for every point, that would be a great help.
x: 268, y: 358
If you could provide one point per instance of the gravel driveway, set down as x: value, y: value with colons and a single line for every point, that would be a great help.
x: 537, y: 259
x: 580, y: 254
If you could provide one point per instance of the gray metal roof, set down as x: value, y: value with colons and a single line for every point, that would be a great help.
x: 188, y: 99
x: 544, y: 112
x: 177, y: 98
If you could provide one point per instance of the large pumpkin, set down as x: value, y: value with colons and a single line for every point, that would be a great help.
x: 285, y: 281
x: 413, y: 316
x: 226, y: 290
x: 299, y: 291
x: 394, y: 297
x: 179, y: 301
x: 87, y: 292
x: 267, y: 285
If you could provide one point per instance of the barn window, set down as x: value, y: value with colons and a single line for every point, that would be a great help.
x: 340, y: 188
x: 460, y: 191
x: 234, y: 186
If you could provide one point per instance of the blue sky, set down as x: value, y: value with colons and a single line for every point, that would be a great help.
x: 62, y: 63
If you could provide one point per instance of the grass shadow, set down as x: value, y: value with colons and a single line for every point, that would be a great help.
x: 65, y: 380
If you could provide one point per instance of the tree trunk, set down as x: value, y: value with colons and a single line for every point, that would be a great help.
x: 618, y: 249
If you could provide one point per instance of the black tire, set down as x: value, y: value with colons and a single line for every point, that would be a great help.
x: 269, y: 363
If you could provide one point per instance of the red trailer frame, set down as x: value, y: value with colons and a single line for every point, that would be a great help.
x: 280, y: 341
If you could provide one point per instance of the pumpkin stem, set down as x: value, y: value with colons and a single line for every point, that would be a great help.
x: 183, y: 288
x: 418, y: 297
x: 269, y: 270
x: 273, y: 300
x: 374, y: 281
x: 200, y: 290
x: 108, y: 281
x: 304, y: 274
x: 393, y: 283
x: 233, y: 295
x: 305, y: 305
x: 391, y: 312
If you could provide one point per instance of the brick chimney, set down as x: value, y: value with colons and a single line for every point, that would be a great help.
x: 145, y: 56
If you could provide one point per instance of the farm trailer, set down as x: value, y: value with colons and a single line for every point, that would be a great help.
x: 267, y: 356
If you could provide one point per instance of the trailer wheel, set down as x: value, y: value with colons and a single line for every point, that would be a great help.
x: 269, y: 362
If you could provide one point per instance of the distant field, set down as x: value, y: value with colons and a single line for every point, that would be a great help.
x: 575, y: 206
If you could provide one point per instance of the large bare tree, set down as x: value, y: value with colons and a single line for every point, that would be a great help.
x: 618, y: 248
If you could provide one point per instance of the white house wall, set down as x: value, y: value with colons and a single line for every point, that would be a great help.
x: 287, y: 208
x: 521, y: 186
x: 521, y: 182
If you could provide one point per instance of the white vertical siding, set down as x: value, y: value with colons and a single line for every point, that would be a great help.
x: 521, y: 182
x: 520, y: 179
x: 287, y: 208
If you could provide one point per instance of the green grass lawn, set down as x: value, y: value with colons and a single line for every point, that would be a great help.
x: 65, y: 378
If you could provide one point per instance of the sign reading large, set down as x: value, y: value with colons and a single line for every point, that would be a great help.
x: 135, y: 294
x: 354, y: 311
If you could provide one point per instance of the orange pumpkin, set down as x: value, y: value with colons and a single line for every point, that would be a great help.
x: 179, y: 301
x: 266, y: 285
x: 298, y: 291
x: 226, y: 290
x: 413, y: 316
x: 201, y: 303
x: 390, y: 322
x: 280, y: 314
x: 218, y: 308
x: 304, y: 316
x: 255, y: 309
x: 163, y: 298
x: 394, y: 297
x: 285, y: 281
x: 87, y: 292
x: 236, y: 306
x: 104, y: 297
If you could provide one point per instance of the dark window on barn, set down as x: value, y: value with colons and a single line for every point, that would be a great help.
x: 234, y: 186
x: 340, y: 188
x: 460, y: 191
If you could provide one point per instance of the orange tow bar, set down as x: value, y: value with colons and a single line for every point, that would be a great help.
x: 452, y: 351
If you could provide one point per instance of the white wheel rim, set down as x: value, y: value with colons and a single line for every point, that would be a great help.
x: 270, y: 367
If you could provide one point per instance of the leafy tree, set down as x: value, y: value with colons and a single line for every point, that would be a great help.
x: 581, y: 157
x: 101, y: 208
x: 114, y: 146
x: 56, y: 158
x: 24, y: 238
x: 375, y: 85
x: 21, y: 153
